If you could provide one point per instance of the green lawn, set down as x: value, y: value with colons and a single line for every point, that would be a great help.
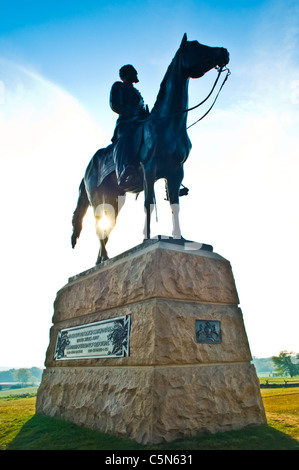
x: 18, y: 392
x: 21, y: 429
x: 282, y: 409
x: 279, y: 380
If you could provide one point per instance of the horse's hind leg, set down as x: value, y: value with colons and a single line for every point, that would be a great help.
x: 102, y: 255
x: 105, y: 215
x: 107, y: 203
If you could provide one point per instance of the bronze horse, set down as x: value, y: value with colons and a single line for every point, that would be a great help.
x: 163, y: 148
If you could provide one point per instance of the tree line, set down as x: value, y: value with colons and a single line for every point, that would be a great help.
x: 23, y: 376
x: 285, y: 364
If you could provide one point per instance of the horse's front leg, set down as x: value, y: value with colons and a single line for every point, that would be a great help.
x: 176, y: 228
x: 149, y: 181
x: 174, y: 183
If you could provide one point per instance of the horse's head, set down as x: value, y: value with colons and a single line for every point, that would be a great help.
x: 198, y: 59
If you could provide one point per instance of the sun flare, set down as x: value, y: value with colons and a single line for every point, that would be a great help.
x: 104, y: 223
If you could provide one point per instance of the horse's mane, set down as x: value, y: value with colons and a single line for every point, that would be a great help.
x: 162, y: 90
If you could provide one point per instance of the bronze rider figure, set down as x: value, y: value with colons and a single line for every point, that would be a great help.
x: 126, y: 101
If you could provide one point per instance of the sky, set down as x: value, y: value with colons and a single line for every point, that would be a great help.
x: 58, y: 61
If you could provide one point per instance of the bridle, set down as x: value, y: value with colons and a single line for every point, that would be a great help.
x: 220, y: 70
x: 184, y: 191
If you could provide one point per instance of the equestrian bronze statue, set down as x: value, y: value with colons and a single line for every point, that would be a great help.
x: 146, y: 146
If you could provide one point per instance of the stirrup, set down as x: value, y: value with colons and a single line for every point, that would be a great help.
x: 183, y: 191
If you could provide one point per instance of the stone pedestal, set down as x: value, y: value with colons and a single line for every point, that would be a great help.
x: 188, y: 369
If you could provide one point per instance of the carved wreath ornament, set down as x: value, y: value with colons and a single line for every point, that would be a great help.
x: 119, y: 337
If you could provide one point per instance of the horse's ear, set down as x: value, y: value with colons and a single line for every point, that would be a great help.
x: 184, y: 40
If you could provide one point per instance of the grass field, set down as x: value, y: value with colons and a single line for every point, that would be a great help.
x: 19, y: 392
x: 279, y: 380
x: 21, y: 429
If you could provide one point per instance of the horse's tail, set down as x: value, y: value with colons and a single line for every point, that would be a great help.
x: 80, y: 211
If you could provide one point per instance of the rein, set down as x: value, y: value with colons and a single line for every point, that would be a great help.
x: 220, y: 70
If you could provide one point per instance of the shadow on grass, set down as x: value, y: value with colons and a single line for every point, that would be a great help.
x: 45, y: 433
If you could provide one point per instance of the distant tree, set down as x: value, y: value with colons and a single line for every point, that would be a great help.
x: 263, y: 365
x: 285, y: 365
x: 7, y: 375
x: 23, y: 376
x: 37, y: 373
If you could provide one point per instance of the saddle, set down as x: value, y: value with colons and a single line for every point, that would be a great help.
x: 139, y: 134
x: 105, y: 163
